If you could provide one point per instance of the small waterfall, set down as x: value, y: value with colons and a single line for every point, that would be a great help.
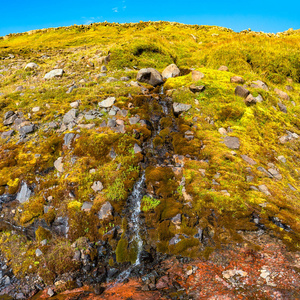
x: 135, y: 209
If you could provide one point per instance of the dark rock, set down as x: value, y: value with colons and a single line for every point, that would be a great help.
x: 150, y: 76
x: 232, y: 142
x: 146, y: 257
x: 10, y: 120
x: 241, y: 91
x: 282, y: 107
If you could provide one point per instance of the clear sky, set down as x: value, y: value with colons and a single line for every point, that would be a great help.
x: 264, y: 15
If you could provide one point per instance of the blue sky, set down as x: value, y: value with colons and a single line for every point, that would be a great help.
x: 267, y: 16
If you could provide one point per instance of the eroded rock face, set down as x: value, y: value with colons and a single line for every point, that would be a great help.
x: 150, y: 76
x: 57, y: 73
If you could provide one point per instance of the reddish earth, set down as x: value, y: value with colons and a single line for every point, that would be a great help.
x: 270, y: 273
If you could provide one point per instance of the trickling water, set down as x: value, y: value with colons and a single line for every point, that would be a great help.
x: 135, y: 209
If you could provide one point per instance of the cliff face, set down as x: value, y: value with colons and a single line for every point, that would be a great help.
x: 127, y: 146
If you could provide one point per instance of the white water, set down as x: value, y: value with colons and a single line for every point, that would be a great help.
x: 135, y: 207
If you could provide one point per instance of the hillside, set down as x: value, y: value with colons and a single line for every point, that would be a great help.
x: 106, y: 166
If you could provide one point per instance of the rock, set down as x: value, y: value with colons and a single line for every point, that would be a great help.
x: 263, y: 170
x: 71, y: 88
x: 20, y: 296
x: 86, y: 206
x: 44, y: 242
x: 10, y: 120
x: 70, y: 116
x: 262, y: 188
x: 289, y: 88
x: 58, y: 164
x: 149, y: 76
x: 109, y: 102
x: 24, y: 194
x: 258, y: 84
x: 105, y: 211
x: 197, y: 75
x: 31, y: 66
x: 19, y: 88
x: 249, y: 160
x: 8, y: 114
x: 111, y: 123
x: 111, y: 79
x: 241, y: 92
x: 74, y: 104
x: 237, y: 79
x: 38, y: 252
x: 97, y: 186
x: 170, y: 71
x: 223, y: 68
x: 27, y: 129
x: 180, y: 107
x: 292, y: 187
x: 176, y: 220
x: 163, y: 282
x: 189, y: 135
x: 50, y: 292
x: 125, y: 78
x: 259, y: 98
x: 137, y: 148
x: 112, y: 153
x: 61, y: 226
x: 56, y: 73
x: 36, y: 109
x: 282, y: 159
x: 176, y: 239
x: 275, y: 173
x: 123, y: 112
x: 7, y: 134
x: 68, y: 138
x: 134, y: 120
x: 103, y: 69
x: 232, y: 142
x: 282, y: 107
x: 282, y: 94
x: 6, y: 280
x: 197, y: 88
x: 250, y: 100
x: 222, y: 131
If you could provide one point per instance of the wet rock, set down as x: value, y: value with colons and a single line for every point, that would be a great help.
x: 86, y: 206
x: 38, y: 253
x: 250, y: 100
x: 197, y: 75
x: 258, y: 84
x: 241, y: 92
x: 105, y: 211
x: 58, y: 164
x: 223, y: 68
x: 249, y: 160
x: 176, y: 220
x: 31, y: 66
x: 109, y: 102
x: 232, y: 142
x: 27, y: 129
x: 24, y: 194
x: 149, y: 76
x: 70, y: 116
x: 97, y: 186
x: 262, y: 188
x: 237, y: 79
x: 197, y: 88
x: 180, y: 107
x: 137, y: 149
x: 56, y: 73
x: 282, y: 94
x: 170, y: 71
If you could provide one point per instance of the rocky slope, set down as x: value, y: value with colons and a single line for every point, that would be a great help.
x: 153, y: 160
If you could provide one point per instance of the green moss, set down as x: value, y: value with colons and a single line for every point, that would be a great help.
x: 42, y: 234
x: 122, y: 251
x: 149, y: 203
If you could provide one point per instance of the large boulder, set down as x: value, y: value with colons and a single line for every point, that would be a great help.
x: 180, y: 107
x: 56, y: 73
x: 150, y: 76
x: 170, y: 71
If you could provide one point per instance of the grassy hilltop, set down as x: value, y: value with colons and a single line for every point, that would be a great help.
x: 226, y: 193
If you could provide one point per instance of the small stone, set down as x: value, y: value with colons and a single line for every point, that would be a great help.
x: 258, y: 84
x: 103, y: 69
x: 259, y: 99
x: 86, y: 206
x: 150, y: 76
x: 19, y: 88
x: 134, y: 120
x: 197, y: 75
x: 97, y: 186
x: 6, y: 280
x: 50, y: 292
x: 223, y: 68
x: 31, y: 66
x: 181, y: 107
x: 58, y: 164
x: 7, y: 134
x: 36, y: 109
x: 281, y: 94
x: 10, y: 120
x: 74, y: 104
x: 8, y: 114
x: 125, y: 78
x: 38, y: 252
x: 282, y: 159
x: 137, y: 149
x: 105, y: 211
x: 20, y: 296
x: 176, y: 220
x: 44, y: 242
x: 70, y: 116
x: 111, y: 123
x: 292, y: 187
x: 71, y: 88
x: 250, y: 100
x: 237, y: 79
x: 197, y: 88
x: 222, y: 131
x: 262, y: 188
x: 27, y: 129
x: 275, y: 173
x: 24, y: 194
x: 109, y: 102
x: 56, y: 73
x: 289, y: 88
x: 232, y: 142
x: 282, y: 107
x: 68, y: 138
x: 241, y: 92
x: 249, y: 160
